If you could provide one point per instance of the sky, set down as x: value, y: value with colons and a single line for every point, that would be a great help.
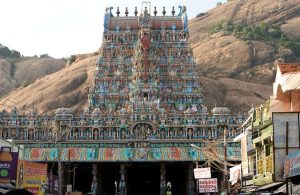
x: 61, y: 28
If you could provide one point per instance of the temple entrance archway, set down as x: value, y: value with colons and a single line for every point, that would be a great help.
x: 143, y: 178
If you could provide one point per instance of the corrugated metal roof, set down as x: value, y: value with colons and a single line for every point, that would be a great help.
x: 295, y: 189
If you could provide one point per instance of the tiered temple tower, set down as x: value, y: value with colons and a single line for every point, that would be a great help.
x: 146, y: 109
x: 146, y: 64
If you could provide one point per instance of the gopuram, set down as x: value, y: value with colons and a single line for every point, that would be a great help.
x: 146, y: 109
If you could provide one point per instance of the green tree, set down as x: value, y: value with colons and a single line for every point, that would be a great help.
x: 72, y: 59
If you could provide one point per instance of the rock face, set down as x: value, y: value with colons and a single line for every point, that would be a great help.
x: 238, y: 96
x: 69, y: 88
x: 6, y: 83
x: 25, y: 70
x: 65, y: 88
x: 224, y: 55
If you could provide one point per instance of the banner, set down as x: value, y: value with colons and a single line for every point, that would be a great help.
x: 32, y: 176
x: 292, y: 165
x: 108, y: 153
x: 235, y: 174
x: 8, y: 166
x: 208, y: 185
x: 244, y: 155
x: 202, y: 173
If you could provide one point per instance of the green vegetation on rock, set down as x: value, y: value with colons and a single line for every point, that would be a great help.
x: 72, y: 59
x: 6, y: 52
x: 270, y: 34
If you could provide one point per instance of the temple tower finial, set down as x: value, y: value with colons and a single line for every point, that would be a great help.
x: 173, y: 11
x: 118, y: 11
x: 164, y: 11
x: 155, y: 12
x: 135, y: 11
x: 146, y: 4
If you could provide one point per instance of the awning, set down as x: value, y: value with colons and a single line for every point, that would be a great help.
x: 268, y: 186
x: 5, y: 187
x: 293, y: 189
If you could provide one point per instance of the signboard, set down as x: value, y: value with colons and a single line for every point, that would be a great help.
x: 280, y: 120
x: 208, y: 185
x: 69, y: 188
x: 235, y: 174
x: 292, y: 165
x: 8, y: 165
x: 202, y: 173
x: 31, y: 176
x: 244, y: 155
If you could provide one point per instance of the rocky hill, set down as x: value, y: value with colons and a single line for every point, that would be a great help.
x: 22, y: 71
x: 241, y: 39
x: 69, y: 88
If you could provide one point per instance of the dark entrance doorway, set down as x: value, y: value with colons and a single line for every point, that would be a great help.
x: 177, y: 174
x: 143, y: 178
x: 83, y: 178
x: 109, y: 177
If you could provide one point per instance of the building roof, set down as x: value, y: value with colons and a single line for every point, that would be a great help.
x: 269, y: 186
x: 287, y: 79
x: 289, y: 67
x: 295, y: 189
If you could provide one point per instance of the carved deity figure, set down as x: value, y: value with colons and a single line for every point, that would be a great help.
x: 122, y: 186
x: 94, y: 186
x: 30, y: 134
x: 96, y: 134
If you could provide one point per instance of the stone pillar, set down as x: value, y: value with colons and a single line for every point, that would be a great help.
x: 94, y: 186
x: 190, y: 184
x: 163, y: 186
x: 122, y: 183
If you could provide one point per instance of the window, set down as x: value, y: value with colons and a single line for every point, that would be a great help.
x: 268, y: 150
x: 259, y: 153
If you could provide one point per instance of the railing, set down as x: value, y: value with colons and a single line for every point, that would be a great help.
x: 78, y: 134
x: 113, y: 127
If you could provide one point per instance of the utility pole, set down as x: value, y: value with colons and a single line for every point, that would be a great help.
x: 225, y: 163
x: 197, y: 180
x: 209, y: 165
x: 287, y: 152
x: 69, y: 167
x: 60, y: 192
x: 59, y: 171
